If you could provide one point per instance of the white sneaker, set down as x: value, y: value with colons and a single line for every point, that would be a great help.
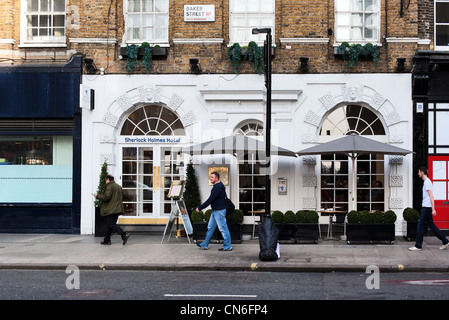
x: 444, y: 246
x: 414, y: 249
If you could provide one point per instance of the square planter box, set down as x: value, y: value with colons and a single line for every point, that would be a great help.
x: 370, y: 232
x: 409, y: 230
x: 200, y: 230
x: 298, y: 232
x: 158, y: 53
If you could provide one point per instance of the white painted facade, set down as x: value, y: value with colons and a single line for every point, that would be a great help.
x: 214, y: 106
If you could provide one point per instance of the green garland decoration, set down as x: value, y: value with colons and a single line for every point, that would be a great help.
x: 235, y: 57
x: 131, y: 51
x: 256, y: 57
x: 352, y: 53
x: 147, y: 56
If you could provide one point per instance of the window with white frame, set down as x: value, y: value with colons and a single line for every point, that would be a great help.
x: 357, y: 21
x: 147, y: 21
x: 442, y: 24
x: 43, y: 22
x: 244, y: 15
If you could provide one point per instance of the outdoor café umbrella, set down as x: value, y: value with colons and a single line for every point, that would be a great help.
x: 236, y: 145
x: 353, y: 146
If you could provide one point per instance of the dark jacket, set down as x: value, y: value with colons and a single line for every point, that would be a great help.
x: 112, y: 199
x: 217, y: 198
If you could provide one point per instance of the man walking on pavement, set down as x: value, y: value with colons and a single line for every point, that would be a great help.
x: 112, y: 207
x: 218, y: 217
x: 427, y: 213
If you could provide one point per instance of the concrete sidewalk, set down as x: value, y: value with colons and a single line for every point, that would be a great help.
x: 145, y: 252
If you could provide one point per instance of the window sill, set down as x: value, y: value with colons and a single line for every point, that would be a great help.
x: 337, y: 44
x: 43, y: 45
x: 152, y: 44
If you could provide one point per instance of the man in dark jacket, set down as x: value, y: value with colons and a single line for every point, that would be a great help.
x: 218, y: 217
x: 112, y: 207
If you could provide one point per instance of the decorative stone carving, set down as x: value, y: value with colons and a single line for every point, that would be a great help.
x: 396, y: 203
x: 392, y: 118
x: 396, y: 160
x: 309, y: 180
x: 377, y: 100
x: 124, y: 102
x: 175, y: 102
x: 309, y: 160
x: 110, y: 119
x: 351, y: 93
x: 396, y: 181
x: 327, y: 101
x: 309, y: 203
x: 312, y: 118
x: 189, y: 118
x: 149, y: 94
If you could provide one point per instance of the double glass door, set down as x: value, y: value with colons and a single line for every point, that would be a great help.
x: 147, y: 173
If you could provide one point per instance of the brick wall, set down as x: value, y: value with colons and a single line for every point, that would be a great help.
x: 294, y: 20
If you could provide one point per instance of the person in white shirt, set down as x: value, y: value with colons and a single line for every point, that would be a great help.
x: 427, y: 213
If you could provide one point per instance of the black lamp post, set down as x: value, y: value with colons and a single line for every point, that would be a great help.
x: 268, y: 234
x: 267, y: 53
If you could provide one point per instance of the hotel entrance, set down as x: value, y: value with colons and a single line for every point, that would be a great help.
x: 147, y: 173
x: 149, y: 161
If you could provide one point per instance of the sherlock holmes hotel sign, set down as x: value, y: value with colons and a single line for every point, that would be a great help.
x: 198, y: 13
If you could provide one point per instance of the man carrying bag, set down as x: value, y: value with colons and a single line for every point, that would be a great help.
x: 217, y: 201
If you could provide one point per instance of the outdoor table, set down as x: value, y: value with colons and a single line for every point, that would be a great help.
x: 331, y: 215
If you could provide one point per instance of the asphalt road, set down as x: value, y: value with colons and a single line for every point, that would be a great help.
x: 75, y: 284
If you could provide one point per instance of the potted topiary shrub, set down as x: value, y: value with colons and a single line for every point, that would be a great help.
x: 371, y: 227
x: 199, y: 225
x: 302, y: 226
x: 100, y: 221
x: 410, y: 224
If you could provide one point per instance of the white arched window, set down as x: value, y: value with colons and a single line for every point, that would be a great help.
x: 251, y: 128
x: 349, y: 119
x: 153, y: 120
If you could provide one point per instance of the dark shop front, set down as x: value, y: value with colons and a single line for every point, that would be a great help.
x: 40, y: 148
x: 431, y: 133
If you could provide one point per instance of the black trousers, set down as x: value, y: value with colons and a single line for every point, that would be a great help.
x: 111, y: 223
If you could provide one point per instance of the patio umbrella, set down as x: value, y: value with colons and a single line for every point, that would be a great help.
x: 353, y: 146
x: 235, y: 145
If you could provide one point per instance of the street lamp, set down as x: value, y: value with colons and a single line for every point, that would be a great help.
x: 267, y: 53
x: 268, y: 234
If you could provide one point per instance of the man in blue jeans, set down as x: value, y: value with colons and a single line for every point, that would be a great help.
x: 427, y: 213
x: 218, y: 217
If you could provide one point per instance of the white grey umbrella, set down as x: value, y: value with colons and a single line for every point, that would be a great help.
x: 235, y: 145
x: 354, y: 145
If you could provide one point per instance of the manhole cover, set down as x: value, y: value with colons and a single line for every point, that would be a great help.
x: 77, y: 293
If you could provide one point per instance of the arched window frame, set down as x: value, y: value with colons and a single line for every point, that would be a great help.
x: 165, y: 116
x: 368, y: 129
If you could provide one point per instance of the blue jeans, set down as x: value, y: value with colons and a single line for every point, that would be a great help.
x: 218, y: 218
x: 426, y: 221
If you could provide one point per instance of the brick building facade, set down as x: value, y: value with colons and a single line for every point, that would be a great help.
x: 217, y: 102
x: 302, y: 29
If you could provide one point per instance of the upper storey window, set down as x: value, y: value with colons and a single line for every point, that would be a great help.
x: 43, y: 22
x: 357, y: 21
x: 147, y: 21
x: 244, y: 15
x: 442, y: 24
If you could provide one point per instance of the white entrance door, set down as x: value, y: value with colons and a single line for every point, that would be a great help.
x: 147, y: 173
